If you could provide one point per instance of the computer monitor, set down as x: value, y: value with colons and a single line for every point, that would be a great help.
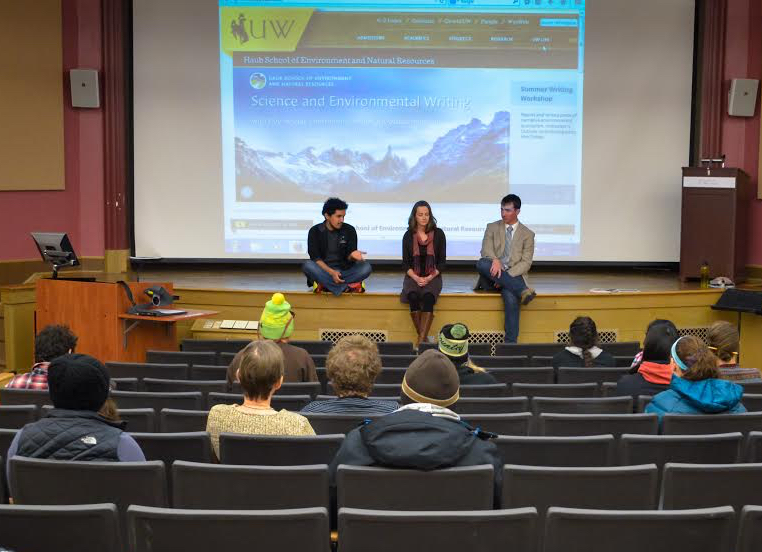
x: 55, y: 248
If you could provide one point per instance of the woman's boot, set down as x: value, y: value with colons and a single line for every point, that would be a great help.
x: 425, y: 326
x: 415, y: 316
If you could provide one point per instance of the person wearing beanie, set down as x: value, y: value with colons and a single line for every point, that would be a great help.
x: 453, y: 342
x: 74, y: 430
x: 277, y: 324
x: 424, y: 434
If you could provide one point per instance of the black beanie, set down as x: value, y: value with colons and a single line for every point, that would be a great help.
x: 78, y: 382
x: 432, y: 378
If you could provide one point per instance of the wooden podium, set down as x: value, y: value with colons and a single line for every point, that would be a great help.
x: 713, y: 227
x: 97, y: 313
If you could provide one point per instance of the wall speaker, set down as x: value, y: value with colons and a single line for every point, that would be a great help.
x: 742, y: 97
x: 84, y: 88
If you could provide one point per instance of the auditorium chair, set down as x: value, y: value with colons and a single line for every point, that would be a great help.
x: 313, y: 347
x: 622, y: 348
x: 624, y: 361
x: 311, y: 388
x: 705, y: 485
x: 596, y: 424
x: 142, y: 370
x: 594, y: 450
x: 753, y: 447
x: 752, y: 387
x: 608, y: 389
x: 152, y: 385
x: 395, y: 348
x: 486, y: 531
x: 643, y: 401
x: 461, y: 488
x: 172, y: 420
x: 223, y: 359
x: 503, y: 424
x: 576, y: 390
x: 391, y: 390
x: 333, y: 424
x: 3, y: 484
x: 490, y: 405
x: 585, y: 405
x: 42, y: 481
x: 590, y: 375
x: 750, y: 531
x: 509, y: 376
x: 157, y: 401
x: 540, y: 360
x: 484, y: 390
x: 180, y: 357
x: 478, y: 349
x: 137, y: 419
x: 607, y: 488
x: 319, y: 360
x: 254, y: 487
x: 153, y: 529
x: 293, y: 403
x: 701, y: 424
x: 719, y: 448
x: 89, y: 528
x: 213, y: 345
x: 126, y: 384
x: 6, y: 437
x: 16, y: 416
x: 191, y: 446
x: 397, y: 361
x: 528, y: 349
x: 213, y: 399
x: 489, y: 362
x: 37, y: 397
x: 580, y: 530
x: 208, y: 372
x: 752, y: 402
x: 391, y: 375
x: 279, y: 450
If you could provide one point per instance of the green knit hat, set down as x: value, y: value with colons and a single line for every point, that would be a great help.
x: 276, y: 321
x: 453, y: 340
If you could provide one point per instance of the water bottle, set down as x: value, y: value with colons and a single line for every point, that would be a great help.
x: 704, y: 275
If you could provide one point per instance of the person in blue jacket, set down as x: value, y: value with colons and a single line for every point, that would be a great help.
x: 696, y: 387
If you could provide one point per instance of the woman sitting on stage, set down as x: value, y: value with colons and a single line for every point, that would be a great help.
x: 696, y: 387
x: 261, y: 375
x: 584, y: 350
x: 723, y: 341
x: 424, y: 249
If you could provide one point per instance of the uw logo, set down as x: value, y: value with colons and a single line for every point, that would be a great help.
x: 248, y: 29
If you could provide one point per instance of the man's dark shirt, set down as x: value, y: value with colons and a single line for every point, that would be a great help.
x: 318, y: 245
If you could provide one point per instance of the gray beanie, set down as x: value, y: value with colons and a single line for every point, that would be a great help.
x: 432, y: 378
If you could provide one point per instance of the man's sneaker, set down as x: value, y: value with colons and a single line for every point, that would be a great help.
x: 527, y: 296
x: 317, y: 288
x: 356, y: 287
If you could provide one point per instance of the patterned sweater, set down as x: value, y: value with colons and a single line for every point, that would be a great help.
x: 232, y: 418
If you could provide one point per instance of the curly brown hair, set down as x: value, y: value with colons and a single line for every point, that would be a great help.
x: 353, y: 364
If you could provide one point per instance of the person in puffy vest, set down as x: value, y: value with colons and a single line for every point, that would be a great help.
x: 74, y: 429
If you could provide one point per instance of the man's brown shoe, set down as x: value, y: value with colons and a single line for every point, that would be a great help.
x: 527, y: 296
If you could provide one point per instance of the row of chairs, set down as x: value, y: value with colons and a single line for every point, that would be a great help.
x: 592, y: 450
x: 566, y: 529
x: 622, y: 348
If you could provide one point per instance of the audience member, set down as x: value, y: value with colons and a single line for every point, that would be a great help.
x: 353, y: 365
x: 723, y: 339
x: 453, y: 342
x: 424, y: 434
x: 696, y: 387
x: 75, y: 429
x: 261, y: 375
x: 584, y: 350
x: 653, y: 373
x: 653, y: 324
x: 277, y: 324
x: 52, y: 342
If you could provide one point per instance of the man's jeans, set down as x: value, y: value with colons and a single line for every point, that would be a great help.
x: 510, y: 288
x: 358, y: 272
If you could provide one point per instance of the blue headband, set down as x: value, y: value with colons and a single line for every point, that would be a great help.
x: 677, y: 359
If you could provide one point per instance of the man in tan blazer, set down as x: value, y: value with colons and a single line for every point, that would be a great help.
x: 506, y: 267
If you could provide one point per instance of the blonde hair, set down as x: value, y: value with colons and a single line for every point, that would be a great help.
x: 701, y: 362
x: 353, y: 365
x: 722, y: 338
x: 474, y: 367
x: 261, y: 368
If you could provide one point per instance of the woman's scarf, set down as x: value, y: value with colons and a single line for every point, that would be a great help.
x: 429, y: 245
